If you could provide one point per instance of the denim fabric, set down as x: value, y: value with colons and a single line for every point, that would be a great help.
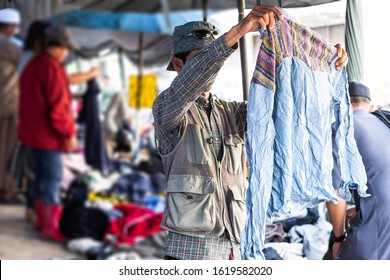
x: 48, y: 174
x: 296, y: 98
x: 289, y: 145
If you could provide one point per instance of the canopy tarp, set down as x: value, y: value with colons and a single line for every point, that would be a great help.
x: 175, y: 5
x: 39, y: 9
x: 129, y: 21
x: 96, y: 31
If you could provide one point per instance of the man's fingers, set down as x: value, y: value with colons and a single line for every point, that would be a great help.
x: 267, y: 9
x: 260, y: 16
x: 342, y: 61
x: 266, y: 18
x: 339, y: 50
x: 263, y: 18
x: 343, y: 55
x: 262, y: 23
x: 277, y: 12
x: 271, y: 19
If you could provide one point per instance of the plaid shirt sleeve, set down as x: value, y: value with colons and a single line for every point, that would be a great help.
x: 196, y: 77
x: 241, y: 112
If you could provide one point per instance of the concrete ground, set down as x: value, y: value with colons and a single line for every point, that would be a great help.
x: 19, y: 240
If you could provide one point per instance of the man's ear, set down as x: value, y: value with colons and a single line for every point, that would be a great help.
x: 177, y: 63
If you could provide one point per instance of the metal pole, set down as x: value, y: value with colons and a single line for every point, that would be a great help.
x: 140, y: 68
x: 205, y: 9
x: 122, y: 68
x: 165, y: 8
x: 243, y: 54
x: 137, y: 123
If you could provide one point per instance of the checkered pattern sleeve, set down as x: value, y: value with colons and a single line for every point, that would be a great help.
x: 197, y: 76
x: 241, y: 112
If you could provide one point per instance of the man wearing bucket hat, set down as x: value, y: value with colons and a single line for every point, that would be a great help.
x: 201, y: 142
x: 10, y: 55
x: 367, y: 237
x: 47, y: 125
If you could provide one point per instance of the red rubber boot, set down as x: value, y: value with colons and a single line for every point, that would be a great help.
x: 51, y: 227
x: 40, y: 214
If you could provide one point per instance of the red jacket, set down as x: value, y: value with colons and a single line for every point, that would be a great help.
x: 46, y: 119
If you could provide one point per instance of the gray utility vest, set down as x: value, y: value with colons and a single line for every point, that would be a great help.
x: 205, y: 197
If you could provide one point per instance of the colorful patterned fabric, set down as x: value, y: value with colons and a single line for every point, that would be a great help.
x: 295, y: 41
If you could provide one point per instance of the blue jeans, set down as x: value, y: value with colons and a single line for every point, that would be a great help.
x: 48, y: 175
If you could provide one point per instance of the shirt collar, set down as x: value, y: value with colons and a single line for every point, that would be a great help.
x: 359, y: 112
x: 202, y: 102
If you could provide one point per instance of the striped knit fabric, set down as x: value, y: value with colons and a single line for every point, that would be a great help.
x: 289, y: 39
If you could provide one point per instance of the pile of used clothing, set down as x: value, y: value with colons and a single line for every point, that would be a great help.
x: 302, y: 236
x: 116, y: 215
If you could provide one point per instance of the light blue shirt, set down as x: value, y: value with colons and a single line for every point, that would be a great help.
x: 296, y: 98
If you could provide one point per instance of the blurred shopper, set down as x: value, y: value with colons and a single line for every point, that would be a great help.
x: 201, y: 143
x: 34, y: 45
x: 47, y: 125
x: 114, y: 112
x: 10, y: 55
x: 368, y: 234
x: 117, y: 125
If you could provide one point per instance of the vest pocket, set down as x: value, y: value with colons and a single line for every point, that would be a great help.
x: 234, y: 147
x: 190, y: 204
x: 237, y: 211
x: 196, y: 152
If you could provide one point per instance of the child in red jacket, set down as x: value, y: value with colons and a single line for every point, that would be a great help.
x: 47, y: 125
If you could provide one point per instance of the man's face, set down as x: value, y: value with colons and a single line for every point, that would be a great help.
x: 11, y: 30
x: 16, y: 30
x: 192, y: 54
x: 178, y: 64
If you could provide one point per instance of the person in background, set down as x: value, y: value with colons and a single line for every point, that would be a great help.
x: 33, y: 46
x: 201, y: 142
x: 368, y: 229
x: 117, y: 124
x: 47, y: 125
x: 10, y: 55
